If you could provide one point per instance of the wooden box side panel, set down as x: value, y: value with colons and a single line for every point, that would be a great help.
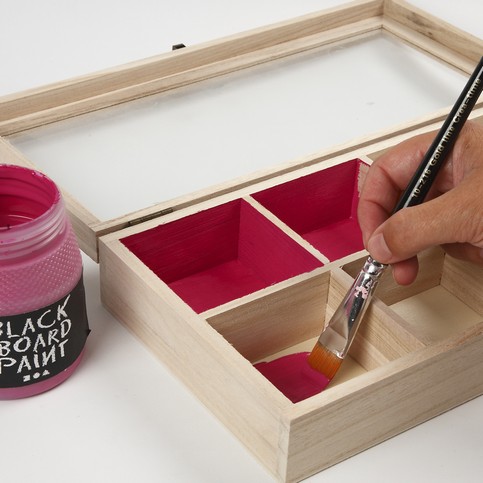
x: 223, y: 380
x: 464, y: 280
x: 270, y: 323
x: 360, y: 413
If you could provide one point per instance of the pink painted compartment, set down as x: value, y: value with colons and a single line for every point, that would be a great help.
x: 321, y: 207
x: 218, y: 255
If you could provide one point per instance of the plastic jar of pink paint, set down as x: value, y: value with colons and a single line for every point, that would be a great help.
x: 43, y: 321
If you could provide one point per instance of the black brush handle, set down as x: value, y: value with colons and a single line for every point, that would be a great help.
x: 434, y: 158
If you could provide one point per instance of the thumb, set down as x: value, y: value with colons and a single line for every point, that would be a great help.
x: 448, y: 219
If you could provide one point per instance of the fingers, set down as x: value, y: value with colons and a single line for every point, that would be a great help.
x: 453, y: 219
x: 408, y: 232
x: 391, y: 173
x: 452, y: 215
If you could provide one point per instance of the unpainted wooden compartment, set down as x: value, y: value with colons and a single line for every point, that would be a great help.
x: 443, y: 301
x: 289, y: 320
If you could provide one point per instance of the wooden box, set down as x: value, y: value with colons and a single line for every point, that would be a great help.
x: 251, y: 269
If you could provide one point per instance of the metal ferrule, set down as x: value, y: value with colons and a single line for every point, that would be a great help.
x: 342, y: 327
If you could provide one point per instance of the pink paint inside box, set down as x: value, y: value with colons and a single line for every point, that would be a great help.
x: 321, y: 208
x: 226, y: 252
x: 220, y: 254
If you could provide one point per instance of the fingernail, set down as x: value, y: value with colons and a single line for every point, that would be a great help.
x: 378, y: 248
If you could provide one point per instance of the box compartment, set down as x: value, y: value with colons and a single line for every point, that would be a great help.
x: 321, y: 207
x: 281, y: 327
x: 441, y: 303
x: 289, y: 319
x: 221, y: 254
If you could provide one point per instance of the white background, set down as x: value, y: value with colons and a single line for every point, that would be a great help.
x: 123, y: 417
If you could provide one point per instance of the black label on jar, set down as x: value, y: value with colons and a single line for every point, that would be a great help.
x: 43, y: 343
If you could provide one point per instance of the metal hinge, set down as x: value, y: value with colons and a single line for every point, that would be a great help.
x: 151, y: 216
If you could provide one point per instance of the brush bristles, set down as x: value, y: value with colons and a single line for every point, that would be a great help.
x: 324, y: 361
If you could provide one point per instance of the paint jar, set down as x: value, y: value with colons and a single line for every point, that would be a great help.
x: 43, y: 321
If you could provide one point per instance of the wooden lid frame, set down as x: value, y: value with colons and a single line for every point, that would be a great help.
x: 52, y: 103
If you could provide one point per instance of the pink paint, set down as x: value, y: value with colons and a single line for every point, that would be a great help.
x: 217, y: 285
x: 40, y: 263
x: 337, y: 240
x: 221, y: 254
x: 321, y: 207
x: 293, y: 376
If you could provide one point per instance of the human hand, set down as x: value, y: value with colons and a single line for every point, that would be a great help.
x: 451, y: 216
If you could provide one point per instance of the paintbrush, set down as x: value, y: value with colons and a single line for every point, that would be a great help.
x: 336, y: 338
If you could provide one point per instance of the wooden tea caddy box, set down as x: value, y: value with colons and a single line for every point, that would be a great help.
x: 216, y: 281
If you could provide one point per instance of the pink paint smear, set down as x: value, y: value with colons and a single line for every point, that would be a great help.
x: 293, y: 376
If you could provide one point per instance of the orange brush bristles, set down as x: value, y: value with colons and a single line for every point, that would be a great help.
x: 324, y: 361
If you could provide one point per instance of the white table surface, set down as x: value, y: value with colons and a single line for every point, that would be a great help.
x: 123, y: 417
